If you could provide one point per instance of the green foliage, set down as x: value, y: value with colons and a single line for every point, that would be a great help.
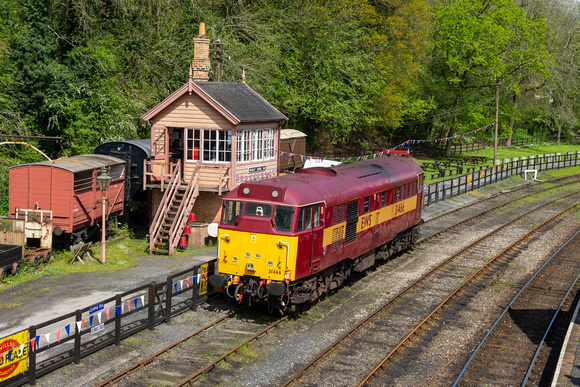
x: 480, y: 44
x: 344, y: 71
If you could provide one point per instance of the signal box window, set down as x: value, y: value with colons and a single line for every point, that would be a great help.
x: 258, y: 209
x: 232, y: 209
x: 283, y: 218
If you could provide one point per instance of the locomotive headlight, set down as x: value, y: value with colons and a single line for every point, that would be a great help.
x: 250, y: 266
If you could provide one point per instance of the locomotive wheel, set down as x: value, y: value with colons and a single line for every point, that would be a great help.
x: 36, y: 260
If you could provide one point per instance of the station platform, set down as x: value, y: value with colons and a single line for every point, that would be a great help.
x: 568, y: 369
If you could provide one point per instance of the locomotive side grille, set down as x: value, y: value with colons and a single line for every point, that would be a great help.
x: 338, y: 214
x: 350, y: 233
x: 352, y: 210
x: 337, y: 238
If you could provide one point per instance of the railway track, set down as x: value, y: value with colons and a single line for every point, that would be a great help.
x: 438, y: 225
x: 177, y: 376
x: 175, y: 364
x: 382, y: 327
x: 560, y: 181
x: 509, y: 354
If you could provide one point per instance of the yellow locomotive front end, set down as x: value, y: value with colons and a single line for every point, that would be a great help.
x: 256, y: 256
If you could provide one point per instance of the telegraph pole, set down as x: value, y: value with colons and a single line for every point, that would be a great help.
x: 496, y: 119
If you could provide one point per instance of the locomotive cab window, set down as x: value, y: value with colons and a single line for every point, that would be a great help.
x: 258, y: 209
x: 304, y: 219
x: 232, y: 209
x: 283, y: 218
x: 316, y: 215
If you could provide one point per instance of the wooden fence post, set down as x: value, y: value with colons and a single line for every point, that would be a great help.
x: 168, y: 297
x: 151, y: 306
x: 195, y: 290
x: 118, y: 319
x: 77, y: 345
x: 32, y: 358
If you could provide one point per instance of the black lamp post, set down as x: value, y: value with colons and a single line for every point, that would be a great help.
x: 104, y: 181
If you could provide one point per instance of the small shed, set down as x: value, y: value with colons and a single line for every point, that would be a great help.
x: 134, y: 153
x: 292, y: 142
x: 69, y: 189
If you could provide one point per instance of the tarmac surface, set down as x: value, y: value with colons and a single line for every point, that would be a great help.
x: 50, y: 296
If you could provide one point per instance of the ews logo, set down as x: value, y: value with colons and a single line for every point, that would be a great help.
x: 366, y: 221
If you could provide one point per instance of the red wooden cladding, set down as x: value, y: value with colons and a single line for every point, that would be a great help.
x: 69, y: 189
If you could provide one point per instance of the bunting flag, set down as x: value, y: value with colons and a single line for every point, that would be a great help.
x: 181, y: 284
x: 107, y: 313
x: 118, y: 310
x: 32, y: 344
x: 407, y: 144
x: 67, y: 328
x: 135, y: 302
x: 128, y: 305
x: 57, y: 333
x: 79, y: 326
x: 47, y: 338
x: 175, y: 287
x: 91, y: 320
x: 187, y: 281
x: 205, y: 276
x: 83, y: 323
x: 142, y: 300
x: 99, y: 317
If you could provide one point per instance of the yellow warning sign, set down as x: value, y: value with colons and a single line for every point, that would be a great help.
x: 14, y: 355
x: 203, y: 269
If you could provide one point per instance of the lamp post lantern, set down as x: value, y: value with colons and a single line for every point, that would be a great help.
x: 104, y: 181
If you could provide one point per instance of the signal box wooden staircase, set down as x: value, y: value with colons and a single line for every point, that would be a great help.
x: 172, y: 215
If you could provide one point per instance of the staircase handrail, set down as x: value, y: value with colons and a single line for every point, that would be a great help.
x: 186, y: 204
x: 173, y: 184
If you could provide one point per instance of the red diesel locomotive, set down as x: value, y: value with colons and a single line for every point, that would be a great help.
x: 288, y: 240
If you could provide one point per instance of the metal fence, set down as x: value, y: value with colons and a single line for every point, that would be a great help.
x: 67, y: 339
x: 478, y: 145
x: 443, y: 190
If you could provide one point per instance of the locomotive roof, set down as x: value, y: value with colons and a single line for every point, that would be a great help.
x: 332, y: 185
x: 79, y: 163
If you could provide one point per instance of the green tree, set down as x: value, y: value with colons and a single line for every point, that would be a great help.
x: 480, y: 45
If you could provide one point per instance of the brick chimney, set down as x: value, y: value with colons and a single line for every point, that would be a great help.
x: 201, y: 64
